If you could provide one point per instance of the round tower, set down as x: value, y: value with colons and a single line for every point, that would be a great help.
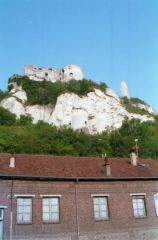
x: 124, y: 89
x: 71, y: 71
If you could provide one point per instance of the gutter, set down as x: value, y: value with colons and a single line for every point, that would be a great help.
x: 81, y: 179
x: 77, y: 210
x: 11, y: 210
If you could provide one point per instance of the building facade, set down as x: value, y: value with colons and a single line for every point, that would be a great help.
x: 69, y: 198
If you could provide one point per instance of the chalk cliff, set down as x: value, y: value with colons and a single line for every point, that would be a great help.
x: 94, y: 113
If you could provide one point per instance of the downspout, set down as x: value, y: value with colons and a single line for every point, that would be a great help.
x: 11, y: 211
x: 77, y: 210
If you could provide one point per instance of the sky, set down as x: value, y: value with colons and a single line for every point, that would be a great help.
x: 112, y: 40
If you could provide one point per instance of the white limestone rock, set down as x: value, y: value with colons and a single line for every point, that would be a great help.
x: 96, y: 112
x: 145, y: 107
x: 21, y: 95
x: 39, y: 112
x: 14, y: 106
x: 142, y: 118
x: 111, y: 93
x: 61, y: 114
x: 79, y: 118
x: 15, y: 87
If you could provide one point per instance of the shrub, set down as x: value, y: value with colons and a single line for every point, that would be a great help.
x: 6, y: 117
x: 137, y: 100
x: 45, y: 92
x: 128, y: 104
x: 3, y: 95
x: 24, y: 120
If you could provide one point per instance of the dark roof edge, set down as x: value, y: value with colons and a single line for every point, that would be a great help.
x: 76, y: 179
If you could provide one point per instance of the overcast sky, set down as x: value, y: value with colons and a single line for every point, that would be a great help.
x: 112, y: 40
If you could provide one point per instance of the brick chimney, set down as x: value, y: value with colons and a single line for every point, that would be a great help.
x: 12, y: 161
x: 106, y: 166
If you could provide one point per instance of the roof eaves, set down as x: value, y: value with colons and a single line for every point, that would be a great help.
x: 54, y: 178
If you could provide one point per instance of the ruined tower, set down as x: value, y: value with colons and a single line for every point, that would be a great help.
x: 124, y: 89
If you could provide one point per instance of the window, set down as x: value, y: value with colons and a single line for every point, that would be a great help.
x: 51, y: 209
x: 100, y: 208
x: 46, y: 74
x: 139, y: 206
x: 1, y: 213
x: 24, y: 210
x: 156, y: 203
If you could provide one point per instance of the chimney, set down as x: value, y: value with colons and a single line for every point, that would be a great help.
x: 12, y: 161
x: 106, y: 166
x: 108, y: 169
x: 133, y: 158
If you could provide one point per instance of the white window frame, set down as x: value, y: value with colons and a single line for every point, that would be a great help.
x: 137, y: 208
x: 24, y: 195
x: 156, y: 203
x: 50, y: 195
x: 22, y: 212
x: 101, y: 208
x: 49, y: 209
x: 1, y: 213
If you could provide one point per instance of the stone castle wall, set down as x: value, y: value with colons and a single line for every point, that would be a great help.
x: 65, y: 74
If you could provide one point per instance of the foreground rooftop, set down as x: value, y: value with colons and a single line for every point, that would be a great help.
x: 47, y: 166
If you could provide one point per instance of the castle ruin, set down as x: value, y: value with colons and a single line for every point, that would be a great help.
x: 124, y: 89
x: 65, y: 74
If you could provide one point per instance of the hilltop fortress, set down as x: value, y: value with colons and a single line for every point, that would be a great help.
x: 94, y: 112
x: 68, y: 72
x: 65, y: 74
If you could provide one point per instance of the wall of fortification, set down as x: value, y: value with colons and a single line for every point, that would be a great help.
x: 39, y: 74
x: 65, y: 74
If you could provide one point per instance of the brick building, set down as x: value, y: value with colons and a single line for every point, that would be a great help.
x: 68, y: 198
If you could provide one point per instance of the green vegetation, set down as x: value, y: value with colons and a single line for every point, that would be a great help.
x: 129, y: 105
x: 21, y: 136
x: 41, y: 138
x: 47, y: 92
x: 137, y: 100
x: 146, y: 133
x: 24, y: 120
x: 7, y: 118
x: 3, y: 95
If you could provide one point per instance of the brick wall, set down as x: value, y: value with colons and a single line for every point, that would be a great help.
x: 121, y: 225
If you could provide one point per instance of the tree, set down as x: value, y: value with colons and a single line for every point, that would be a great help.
x: 24, y: 120
x: 6, y: 117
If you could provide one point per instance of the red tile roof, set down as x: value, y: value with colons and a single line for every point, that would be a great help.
x: 75, y: 167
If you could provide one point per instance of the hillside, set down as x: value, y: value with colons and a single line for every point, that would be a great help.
x: 35, y: 117
x: 41, y: 138
x: 82, y: 105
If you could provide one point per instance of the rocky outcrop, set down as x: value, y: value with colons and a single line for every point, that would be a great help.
x: 94, y: 113
x: 14, y: 106
x: 145, y: 107
x: 39, y: 112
